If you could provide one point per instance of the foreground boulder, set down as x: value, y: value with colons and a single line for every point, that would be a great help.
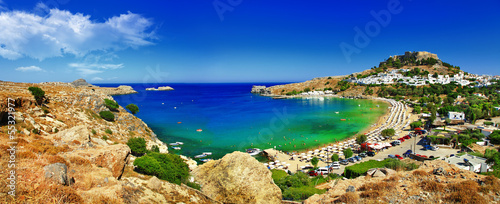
x: 57, y: 172
x: 113, y: 157
x: 237, y: 178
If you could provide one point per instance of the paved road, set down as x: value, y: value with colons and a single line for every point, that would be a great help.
x: 400, y: 149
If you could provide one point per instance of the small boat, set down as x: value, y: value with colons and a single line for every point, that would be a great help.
x: 205, y: 160
x: 336, y: 112
x: 207, y: 153
x: 180, y: 143
x: 199, y: 130
x: 359, y: 104
x: 179, y: 122
x: 176, y: 148
x: 200, y: 156
x: 176, y: 143
x: 342, y: 119
x: 253, y: 151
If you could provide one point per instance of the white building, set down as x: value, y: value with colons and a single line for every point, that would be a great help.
x: 456, y: 115
x: 475, y: 164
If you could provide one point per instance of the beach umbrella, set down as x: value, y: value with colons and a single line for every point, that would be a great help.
x: 287, y: 164
x: 310, y: 152
x: 277, y: 161
x: 271, y: 163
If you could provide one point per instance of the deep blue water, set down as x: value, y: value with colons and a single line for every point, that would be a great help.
x: 234, y: 119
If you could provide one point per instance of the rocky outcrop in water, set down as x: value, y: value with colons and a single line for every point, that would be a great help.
x: 237, y: 178
x: 161, y: 88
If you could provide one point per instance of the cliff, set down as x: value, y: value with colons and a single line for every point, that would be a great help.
x: 66, y: 153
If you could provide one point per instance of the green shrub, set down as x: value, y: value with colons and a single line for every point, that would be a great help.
x: 132, y: 108
x: 56, y: 130
x: 38, y: 93
x: 495, y: 137
x: 36, y: 131
x: 169, y: 167
x: 94, y: 132
x: 314, y: 161
x: 193, y: 185
x: 388, y: 132
x: 112, y: 105
x: 307, y: 89
x: 301, y: 193
x: 361, y: 168
x: 137, y: 146
x: 397, y: 165
x: 104, y: 137
x: 155, y: 148
x: 108, y: 131
x: 45, y: 110
x: 107, y: 115
x: 488, y: 123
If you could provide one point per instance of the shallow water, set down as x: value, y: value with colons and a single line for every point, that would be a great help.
x: 231, y: 118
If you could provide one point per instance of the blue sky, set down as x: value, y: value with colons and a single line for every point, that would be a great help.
x: 236, y: 40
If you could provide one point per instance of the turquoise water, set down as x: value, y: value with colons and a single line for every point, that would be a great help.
x: 231, y: 118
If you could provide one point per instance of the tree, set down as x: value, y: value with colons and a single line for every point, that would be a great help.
x: 495, y: 137
x: 137, y: 146
x: 314, y: 161
x: 155, y: 148
x: 347, y: 153
x: 112, y: 105
x: 417, y: 109
x: 106, y: 115
x: 416, y: 124
x: 38, y: 93
x: 360, y: 139
x: 307, y: 89
x: 388, y: 132
x: 132, y: 108
x: 335, y: 157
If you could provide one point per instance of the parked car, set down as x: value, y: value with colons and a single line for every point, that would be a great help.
x: 363, y: 155
x: 357, y: 158
x: 395, y: 142
x: 398, y: 156
x: 344, y: 162
x: 371, y: 154
x: 391, y: 156
x: 435, y: 148
x: 352, y: 159
x: 312, y: 173
x: 401, y: 139
x: 322, y: 171
x: 407, y: 137
x: 334, y: 165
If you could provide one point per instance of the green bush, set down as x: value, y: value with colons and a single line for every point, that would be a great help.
x: 314, y: 161
x: 169, y: 167
x: 112, y: 105
x: 107, y: 115
x: 416, y: 124
x: 361, y: 168
x: 307, y: 89
x: 104, y: 137
x: 132, y: 108
x: 36, y: 131
x: 94, y: 132
x: 360, y: 139
x: 108, y: 131
x: 301, y: 193
x: 488, y: 123
x: 137, y: 146
x: 495, y: 137
x: 155, y: 148
x: 193, y: 185
x: 38, y: 93
x: 388, y: 132
x: 397, y: 165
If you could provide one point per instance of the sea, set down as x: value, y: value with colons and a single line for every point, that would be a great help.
x: 226, y: 117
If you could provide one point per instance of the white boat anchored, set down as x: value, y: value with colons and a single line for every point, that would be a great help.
x: 207, y: 153
x: 176, y: 148
x: 176, y: 143
x: 200, y: 156
x: 205, y: 160
x: 254, y: 151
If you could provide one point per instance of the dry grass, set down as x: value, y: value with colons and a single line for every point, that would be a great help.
x: 432, y: 186
x: 56, y: 159
x: 379, y: 186
x: 79, y: 161
x: 371, y: 194
x: 420, y: 173
x: 105, y: 200
x: 492, y: 184
x: 349, y: 197
x: 42, y: 146
x: 465, y: 192
x: 26, y: 155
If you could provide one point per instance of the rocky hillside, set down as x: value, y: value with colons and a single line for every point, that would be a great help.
x: 424, y: 61
x: 66, y: 153
x: 434, y: 182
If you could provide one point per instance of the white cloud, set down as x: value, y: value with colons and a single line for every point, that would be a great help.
x: 61, y: 32
x: 30, y: 69
x: 97, y: 79
x: 86, y: 69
